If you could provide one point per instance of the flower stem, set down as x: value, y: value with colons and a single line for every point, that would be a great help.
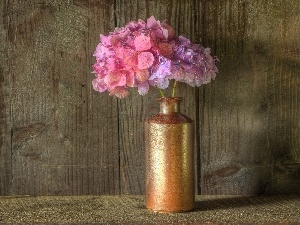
x: 174, y: 89
x: 162, y: 93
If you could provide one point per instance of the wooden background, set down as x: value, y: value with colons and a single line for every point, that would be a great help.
x: 59, y: 137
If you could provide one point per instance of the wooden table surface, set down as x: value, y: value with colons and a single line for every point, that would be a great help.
x: 131, y: 209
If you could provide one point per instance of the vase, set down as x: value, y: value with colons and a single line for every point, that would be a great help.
x: 169, y: 151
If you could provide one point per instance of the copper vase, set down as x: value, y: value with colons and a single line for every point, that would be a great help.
x: 169, y: 143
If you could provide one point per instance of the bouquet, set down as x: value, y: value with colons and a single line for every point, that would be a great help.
x: 143, y: 54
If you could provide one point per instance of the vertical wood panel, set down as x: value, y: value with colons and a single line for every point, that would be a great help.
x: 65, y: 137
x: 225, y: 107
x: 5, y: 140
x: 282, y: 21
x: 250, y: 131
x: 134, y: 110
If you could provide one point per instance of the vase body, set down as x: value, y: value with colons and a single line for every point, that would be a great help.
x: 169, y: 148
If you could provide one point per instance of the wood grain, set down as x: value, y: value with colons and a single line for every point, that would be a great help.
x: 250, y: 128
x: 64, y: 135
x: 5, y: 137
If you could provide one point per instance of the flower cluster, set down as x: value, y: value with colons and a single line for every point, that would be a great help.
x: 144, y: 54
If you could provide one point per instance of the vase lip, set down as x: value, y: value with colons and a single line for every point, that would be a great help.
x: 162, y: 99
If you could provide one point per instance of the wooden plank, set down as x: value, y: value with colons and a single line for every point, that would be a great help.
x: 250, y: 115
x: 282, y: 94
x: 128, y: 209
x: 64, y: 134
x: 5, y: 140
x: 134, y: 110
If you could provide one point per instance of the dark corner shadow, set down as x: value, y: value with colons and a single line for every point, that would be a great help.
x: 229, y: 202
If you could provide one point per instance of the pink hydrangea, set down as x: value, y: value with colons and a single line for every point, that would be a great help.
x: 143, y: 54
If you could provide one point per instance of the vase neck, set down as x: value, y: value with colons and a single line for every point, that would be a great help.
x: 169, y: 105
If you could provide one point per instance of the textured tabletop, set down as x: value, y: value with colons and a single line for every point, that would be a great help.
x: 131, y: 210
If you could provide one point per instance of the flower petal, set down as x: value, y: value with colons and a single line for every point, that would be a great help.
x: 171, y: 32
x: 115, y: 79
x: 142, y: 43
x: 131, y: 62
x: 143, y: 88
x: 151, y: 22
x: 102, y: 52
x: 165, y: 49
x: 99, y: 85
x: 130, y: 79
x: 145, y: 60
x: 120, y: 92
x: 160, y: 83
x: 163, y: 69
x: 142, y: 75
x: 105, y: 40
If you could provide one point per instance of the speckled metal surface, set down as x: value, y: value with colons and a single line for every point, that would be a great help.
x: 125, y: 210
x: 169, y: 141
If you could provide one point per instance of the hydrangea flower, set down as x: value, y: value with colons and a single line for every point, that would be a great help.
x: 143, y: 54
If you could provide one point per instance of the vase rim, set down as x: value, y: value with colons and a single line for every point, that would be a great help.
x: 169, y: 99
